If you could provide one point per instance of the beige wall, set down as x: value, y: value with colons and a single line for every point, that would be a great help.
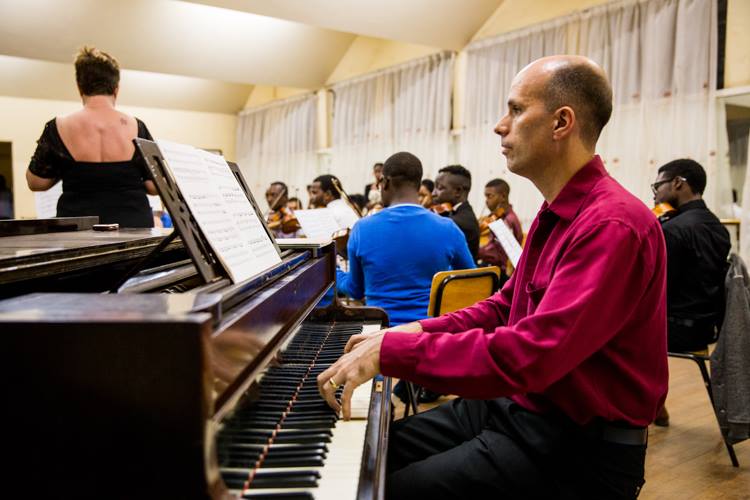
x: 25, y: 119
x: 370, y: 54
x: 737, y: 69
x: 261, y: 94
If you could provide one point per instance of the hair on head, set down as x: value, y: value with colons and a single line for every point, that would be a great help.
x: 500, y: 185
x: 326, y: 184
x: 429, y: 184
x: 690, y: 170
x: 585, y: 89
x: 461, y: 172
x: 97, y: 73
x: 284, y: 188
x: 403, y: 169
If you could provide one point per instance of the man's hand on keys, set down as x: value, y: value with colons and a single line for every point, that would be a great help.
x: 355, y: 340
x: 352, y: 369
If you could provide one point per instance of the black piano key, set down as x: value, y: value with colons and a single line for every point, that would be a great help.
x: 302, y: 495
x: 298, y: 447
x: 284, y: 479
x: 271, y: 479
x: 281, y: 462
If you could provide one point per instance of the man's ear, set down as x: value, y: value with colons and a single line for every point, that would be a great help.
x: 565, y: 119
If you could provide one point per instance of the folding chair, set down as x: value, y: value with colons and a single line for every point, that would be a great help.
x: 700, y: 358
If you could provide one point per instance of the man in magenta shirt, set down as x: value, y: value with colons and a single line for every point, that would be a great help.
x: 566, y: 366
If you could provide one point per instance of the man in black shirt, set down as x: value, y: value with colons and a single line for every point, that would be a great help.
x: 452, y: 185
x: 697, y: 250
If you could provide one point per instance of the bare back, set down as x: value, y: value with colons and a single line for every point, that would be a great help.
x: 98, y: 134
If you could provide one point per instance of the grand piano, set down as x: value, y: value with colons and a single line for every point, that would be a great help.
x: 132, y: 381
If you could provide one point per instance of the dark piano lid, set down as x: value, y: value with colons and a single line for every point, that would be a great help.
x: 104, y: 307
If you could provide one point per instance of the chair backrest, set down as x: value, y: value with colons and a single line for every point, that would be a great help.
x: 453, y: 290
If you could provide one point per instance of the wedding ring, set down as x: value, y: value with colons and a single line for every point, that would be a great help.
x: 333, y: 383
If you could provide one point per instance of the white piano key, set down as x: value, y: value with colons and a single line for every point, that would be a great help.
x: 340, y: 474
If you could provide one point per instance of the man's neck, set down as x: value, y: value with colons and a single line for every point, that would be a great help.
x: 405, y: 198
x: 689, y: 199
x: 559, y: 172
x: 504, y: 206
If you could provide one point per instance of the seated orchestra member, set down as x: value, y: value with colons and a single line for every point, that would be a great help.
x: 310, y: 204
x: 496, y: 196
x: 91, y: 151
x: 324, y: 193
x: 452, y: 187
x: 372, y: 194
x: 425, y: 192
x: 294, y: 203
x: 280, y: 219
x: 394, y: 253
x: 697, y: 249
x: 566, y: 366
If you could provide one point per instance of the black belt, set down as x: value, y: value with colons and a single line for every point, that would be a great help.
x: 682, y: 321
x: 632, y: 436
x: 693, y: 323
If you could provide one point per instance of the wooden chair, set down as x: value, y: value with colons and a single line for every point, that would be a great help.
x: 700, y: 358
x: 454, y: 290
x: 451, y: 291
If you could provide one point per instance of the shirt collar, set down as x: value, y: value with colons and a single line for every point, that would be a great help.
x: 567, y: 204
x: 692, y: 205
x: 405, y: 205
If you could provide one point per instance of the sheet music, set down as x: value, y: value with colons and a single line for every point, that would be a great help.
x: 318, y: 223
x: 506, y: 239
x: 46, y: 201
x: 247, y: 220
x: 231, y: 237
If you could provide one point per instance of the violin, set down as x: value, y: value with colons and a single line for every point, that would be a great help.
x: 664, y: 211
x: 442, y: 208
x: 484, y: 225
x: 484, y: 222
x: 283, y: 219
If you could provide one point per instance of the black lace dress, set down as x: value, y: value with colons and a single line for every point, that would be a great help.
x: 113, y: 190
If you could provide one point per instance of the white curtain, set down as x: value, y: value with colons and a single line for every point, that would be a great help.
x: 403, y: 108
x: 660, y: 58
x: 276, y: 142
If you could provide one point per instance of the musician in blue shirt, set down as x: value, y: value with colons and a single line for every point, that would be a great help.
x: 394, y: 253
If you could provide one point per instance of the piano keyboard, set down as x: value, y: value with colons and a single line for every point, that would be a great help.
x: 287, y: 443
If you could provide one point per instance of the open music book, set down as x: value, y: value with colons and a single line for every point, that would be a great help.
x: 506, y: 239
x: 221, y: 209
x: 318, y: 223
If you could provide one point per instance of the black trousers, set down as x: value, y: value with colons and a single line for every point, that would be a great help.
x: 497, y: 449
x: 682, y: 338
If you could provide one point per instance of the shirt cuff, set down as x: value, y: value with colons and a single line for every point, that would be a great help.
x: 439, y: 324
x: 398, y: 354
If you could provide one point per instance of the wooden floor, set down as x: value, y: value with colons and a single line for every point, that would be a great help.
x: 687, y: 460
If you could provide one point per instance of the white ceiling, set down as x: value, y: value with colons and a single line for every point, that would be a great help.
x: 233, y: 43
x: 447, y: 24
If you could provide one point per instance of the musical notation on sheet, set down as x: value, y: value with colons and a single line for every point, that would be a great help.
x: 241, y: 244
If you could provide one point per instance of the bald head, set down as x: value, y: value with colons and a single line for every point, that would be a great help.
x: 577, y: 82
